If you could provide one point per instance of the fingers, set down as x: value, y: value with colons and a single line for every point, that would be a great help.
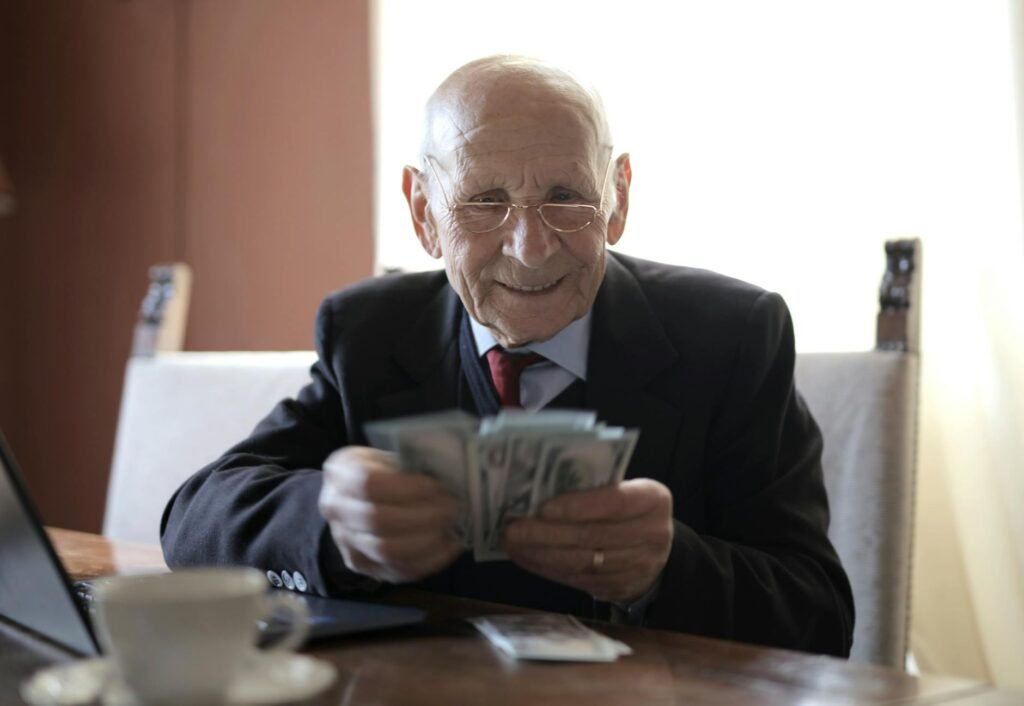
x: 388, y: 520
x: 623, y: 575
x: 374, y: 476
x: 611, y: 542
x: 634, y: 513
x: 588, y: 535
x: 389, y: 524
x: 370, y: 556
x: 363, y: 489
x: 622, y: 572
x: 399, y: 549
x: 577, y: 562
x: 632, y: 498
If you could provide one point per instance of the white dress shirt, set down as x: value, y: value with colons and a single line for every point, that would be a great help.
x: 566, y: 355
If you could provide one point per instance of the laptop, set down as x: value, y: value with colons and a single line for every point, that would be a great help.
x: 36, y: 592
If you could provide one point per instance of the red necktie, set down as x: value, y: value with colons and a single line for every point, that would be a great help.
x: 505, y: 371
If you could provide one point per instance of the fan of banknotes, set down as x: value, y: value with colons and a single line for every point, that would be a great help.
x: 506, y: 466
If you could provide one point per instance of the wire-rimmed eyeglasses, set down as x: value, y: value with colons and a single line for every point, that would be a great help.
x: 486, y: 216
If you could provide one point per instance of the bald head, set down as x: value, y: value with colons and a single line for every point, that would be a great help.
x: 494, y: 88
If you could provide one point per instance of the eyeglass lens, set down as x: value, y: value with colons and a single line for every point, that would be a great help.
x: 480, y: 218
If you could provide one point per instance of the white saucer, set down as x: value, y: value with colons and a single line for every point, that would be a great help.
x: 269, y: 678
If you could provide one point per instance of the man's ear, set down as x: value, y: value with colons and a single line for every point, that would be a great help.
x: 416, y: 196
x: 623, y: 176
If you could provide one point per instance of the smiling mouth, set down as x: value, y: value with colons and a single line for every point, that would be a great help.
x: 525, y: 289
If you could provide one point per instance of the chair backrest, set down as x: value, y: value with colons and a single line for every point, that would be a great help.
x: 160, y: 326
x: 180, y: 411
x: 866, y: 406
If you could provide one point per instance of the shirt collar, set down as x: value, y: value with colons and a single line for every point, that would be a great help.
x: 567, y: 348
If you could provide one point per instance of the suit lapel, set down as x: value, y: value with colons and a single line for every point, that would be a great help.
x: 628, y: 350
x: 429, y: 357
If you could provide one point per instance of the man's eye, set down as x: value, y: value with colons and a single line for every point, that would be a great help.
x: 564, y: 196
x: 487, y: 198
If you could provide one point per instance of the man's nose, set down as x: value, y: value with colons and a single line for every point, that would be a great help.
x: 530, y: 240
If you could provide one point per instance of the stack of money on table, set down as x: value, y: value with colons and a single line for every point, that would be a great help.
x: 545, y: 636
x: 506, y: 466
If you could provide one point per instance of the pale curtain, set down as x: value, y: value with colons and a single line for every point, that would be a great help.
x: 783, y: 143
x: 969, y: 565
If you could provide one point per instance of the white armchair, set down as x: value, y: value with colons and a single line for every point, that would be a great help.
x: 180, y: 411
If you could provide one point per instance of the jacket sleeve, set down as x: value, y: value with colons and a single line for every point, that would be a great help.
x: 762, y: 568
x: 257, y: 504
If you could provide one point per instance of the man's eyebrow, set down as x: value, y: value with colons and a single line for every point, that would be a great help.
x: 468, y: 180
x: 469, y: 184
x: 584, y: 183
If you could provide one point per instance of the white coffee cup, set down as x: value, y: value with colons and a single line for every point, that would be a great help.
x: 183, y: 637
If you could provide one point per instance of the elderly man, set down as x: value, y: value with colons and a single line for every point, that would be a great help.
x: 720, y: 526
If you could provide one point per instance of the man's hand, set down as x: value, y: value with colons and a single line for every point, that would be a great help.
x: 611, y: 542
x: 389, y: 525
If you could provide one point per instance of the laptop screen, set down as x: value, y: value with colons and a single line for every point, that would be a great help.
x: 34, y: 589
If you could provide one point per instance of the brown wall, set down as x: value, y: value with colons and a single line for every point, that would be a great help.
x: 231, y: 134
x: 7, y: 402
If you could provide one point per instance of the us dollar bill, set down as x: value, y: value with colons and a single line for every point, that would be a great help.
x: 383, y: 434
x: 572, y: 463
x: 548, y: 636
x: 510, y: 490
x: 552, y: 421
x: 492, y: 464
x: 505, y: 467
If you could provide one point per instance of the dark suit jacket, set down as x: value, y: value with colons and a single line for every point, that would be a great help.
x: 700, y: 363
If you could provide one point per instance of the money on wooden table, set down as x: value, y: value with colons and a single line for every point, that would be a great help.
x: 547, y: 636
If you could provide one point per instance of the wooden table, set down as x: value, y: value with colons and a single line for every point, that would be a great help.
x: 444, y: 661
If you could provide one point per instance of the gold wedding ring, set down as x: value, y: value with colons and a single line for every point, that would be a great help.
x: 597, y: 561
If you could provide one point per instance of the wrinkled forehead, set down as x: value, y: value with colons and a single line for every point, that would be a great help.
x: 515, y: 144
x: 517, y: 125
